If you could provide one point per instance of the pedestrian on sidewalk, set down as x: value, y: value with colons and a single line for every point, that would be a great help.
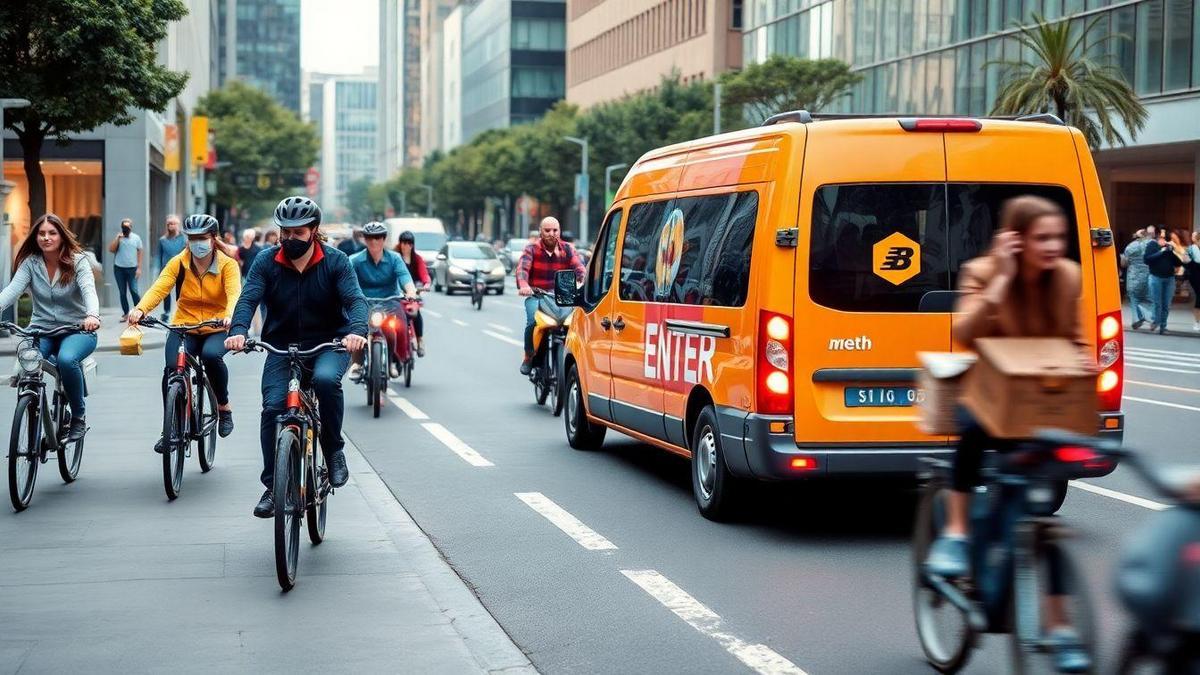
x: 50, y: 264
x: 247, y: 252
x: 127, y: 264
x: 1137, y: 273
x: 209, y: 292
x: 1163, y: 259
x: 1193, y: 274
x: 170, y: 245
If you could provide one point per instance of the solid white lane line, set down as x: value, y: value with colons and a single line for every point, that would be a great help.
x: 502, y: 329
x: 466, y: 452
x: 504, y: 338
x: 459, y: 322
x: 430, y: 312
x: 406, y: 406
x: 1163, y: 386
x: 1120, y: 496
x: 560, y: 518
x: 1161, y: 358
x: 1187, y: 371
x: 1152, y: 401
x: 1160, y: 352
x: 759, y: 658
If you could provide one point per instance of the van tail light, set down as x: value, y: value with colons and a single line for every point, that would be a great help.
x: 940, y: 125
x: 1088, y: 458
x: 1110, y: 356
x: 803, y: 463
x: 774, y: 371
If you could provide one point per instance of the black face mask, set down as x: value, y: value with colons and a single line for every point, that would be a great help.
x: 125, y: 230
x: 295, y: 248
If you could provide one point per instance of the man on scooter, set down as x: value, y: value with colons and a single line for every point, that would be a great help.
x: 536, y: 269
x: 381, y: 274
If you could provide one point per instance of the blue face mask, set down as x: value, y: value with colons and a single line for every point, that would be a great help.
x: 200, y: 249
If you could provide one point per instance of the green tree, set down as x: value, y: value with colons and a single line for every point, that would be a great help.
x: 82, y: 64
x: 358, y: 197
x: 1061, y: 78
x: 783, y: 83
x: 255, y: 134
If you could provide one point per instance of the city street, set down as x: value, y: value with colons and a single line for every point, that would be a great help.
x: 588, y: 561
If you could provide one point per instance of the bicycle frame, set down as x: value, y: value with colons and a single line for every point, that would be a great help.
x: 49, y: 412
x: 301, y: 413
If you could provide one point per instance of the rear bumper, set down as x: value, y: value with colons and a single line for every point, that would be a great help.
x: 758, y: 453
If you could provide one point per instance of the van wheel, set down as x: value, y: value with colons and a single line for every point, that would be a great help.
x: 581, y: 433
x: 716, y: 490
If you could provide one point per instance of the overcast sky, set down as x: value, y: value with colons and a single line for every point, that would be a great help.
x: 339, y: 36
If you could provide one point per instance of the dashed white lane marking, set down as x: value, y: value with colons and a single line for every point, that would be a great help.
x: 406, y: 406
x: 1163, y: 386
x: 466, y: 452
x: 504, y: 338
x: 502, y: 329
x: 1162, y: 352
x: 759, y: 658
x: 1130, y: 363
x: 430, y: 312
x: 459, y: 322
x: 560, y: 518
x: 1151, y: 401
x: 1120, y: 496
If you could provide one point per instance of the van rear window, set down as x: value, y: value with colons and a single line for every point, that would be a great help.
x: 895, y: 247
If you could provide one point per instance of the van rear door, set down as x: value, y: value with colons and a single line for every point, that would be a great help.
x: 872, y: 281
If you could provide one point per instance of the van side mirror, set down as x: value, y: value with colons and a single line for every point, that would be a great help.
x: 441, y: 256
x: 565, y: 292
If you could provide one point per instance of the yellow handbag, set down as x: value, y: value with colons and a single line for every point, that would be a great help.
x: 131, y: 341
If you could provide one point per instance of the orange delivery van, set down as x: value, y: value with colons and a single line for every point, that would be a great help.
x: 756, y: 300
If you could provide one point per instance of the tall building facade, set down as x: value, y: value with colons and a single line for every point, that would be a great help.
x: 349, y: 128
x: 450, y: 120
x: 399, y: 85
x: 513, y: 62
x: 433, y: 18
x: 616, y: 47
x: 259, y: 42
x: 932, y: 56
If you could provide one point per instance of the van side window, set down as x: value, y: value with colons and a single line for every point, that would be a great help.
x: 714, y: 263
x: 601, y: 273
x: 639, y: 251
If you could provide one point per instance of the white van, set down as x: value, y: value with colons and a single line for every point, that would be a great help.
x: 430, y: 235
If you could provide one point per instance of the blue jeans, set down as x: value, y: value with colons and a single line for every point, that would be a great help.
x: 1162, y: 290
x: 127, y: 281
x: 68, y: 352
x: 1138, y: 298
x: 325, y: 371
x: 211, y: 350
x: 531, y: 305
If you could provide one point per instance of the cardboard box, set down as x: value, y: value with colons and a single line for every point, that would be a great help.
x: 1021, y: 385
x: 939, y: 387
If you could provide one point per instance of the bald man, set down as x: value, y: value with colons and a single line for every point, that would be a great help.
x: 540, y: 261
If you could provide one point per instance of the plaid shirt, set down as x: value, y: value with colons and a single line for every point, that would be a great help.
x: 537, y: 266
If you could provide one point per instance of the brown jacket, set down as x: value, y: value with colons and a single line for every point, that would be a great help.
x: 1054, y: 314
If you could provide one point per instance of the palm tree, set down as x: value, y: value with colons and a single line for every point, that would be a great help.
x: 1061, y: 78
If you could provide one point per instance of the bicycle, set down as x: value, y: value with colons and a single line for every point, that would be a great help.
x: 548, y: 353
x: 478, y: 288
x: 184, y: 416
x: 376, y: 368
x: 1015, y: 542
x: 301, y: 483
x: 39, y: 427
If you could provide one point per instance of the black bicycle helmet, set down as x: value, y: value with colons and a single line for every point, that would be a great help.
x: 201, y: 223
x: 374, y: 229
x: 407, y: 237
x: 297, y: 211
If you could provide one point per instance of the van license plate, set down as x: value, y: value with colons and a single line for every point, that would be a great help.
x: 880, y: 397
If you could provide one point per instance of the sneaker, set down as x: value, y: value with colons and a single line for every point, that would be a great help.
x: 224, y: 423
x: 339, y: 473
x: 1069, y: 653
x: 158, y: 445
x: 1153, y: 327
x: 1137, y: 324
x: 1196, y: 326
x: 421, y: 347
x: 1162, y: 331
x: 948, y: 557
x: 265, y: 507
x: 527, y: 366
x: 355, y: 371
x: 394, y: 370
x: 78, y: 429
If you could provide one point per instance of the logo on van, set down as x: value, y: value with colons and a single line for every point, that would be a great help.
x: 896, y: 259
x: 670, y: 251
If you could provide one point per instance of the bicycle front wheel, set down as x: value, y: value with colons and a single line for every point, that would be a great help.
x: 318, y: 495
x: 288, y: 507
x: 175, y: 440
x: 70, y: 455
x: 943, y: 629
x: 1034, y: 588
x: 23, y: 453
x: 208, y: 420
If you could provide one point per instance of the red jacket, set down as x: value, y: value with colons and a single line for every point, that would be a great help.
x: 417, y: 268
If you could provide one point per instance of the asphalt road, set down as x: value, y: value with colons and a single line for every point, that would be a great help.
x: 599, y: 561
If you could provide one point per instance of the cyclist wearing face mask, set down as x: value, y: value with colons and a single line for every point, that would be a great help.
x: 311, y: 296
x: 208, y: 283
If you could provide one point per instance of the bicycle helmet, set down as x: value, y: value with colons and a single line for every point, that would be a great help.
x: 374, y: 229
x: 297, y: 212
x: 201, y: 223
x: 407, y: 237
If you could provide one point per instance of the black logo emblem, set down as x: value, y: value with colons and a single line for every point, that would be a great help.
x: 897, y: 258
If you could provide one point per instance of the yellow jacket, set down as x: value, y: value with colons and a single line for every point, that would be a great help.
x: 212, y: 295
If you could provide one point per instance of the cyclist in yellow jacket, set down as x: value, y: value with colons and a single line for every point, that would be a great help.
x: 208, y: 283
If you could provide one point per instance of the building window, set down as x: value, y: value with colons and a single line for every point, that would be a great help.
x: 1148, y: 75
x: 1178, y: 54
x: 735, y: 18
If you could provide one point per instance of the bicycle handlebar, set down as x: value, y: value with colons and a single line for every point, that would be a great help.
x: 256, y: 346
x: 179, y: 327
x: 35, y: 333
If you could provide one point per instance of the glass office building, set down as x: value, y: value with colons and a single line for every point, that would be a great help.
x: 259, y: 42
x: 933, y: 56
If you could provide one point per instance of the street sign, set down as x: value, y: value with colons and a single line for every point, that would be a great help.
x: 199, y: 141
x: 171, y: 148
x: 312, y: 180
x: 264, y: 181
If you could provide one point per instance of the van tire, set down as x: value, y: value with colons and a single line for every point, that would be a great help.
x: 716, y: 490
x: 582, y: 434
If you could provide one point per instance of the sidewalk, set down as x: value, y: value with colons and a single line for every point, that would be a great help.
x: 1179, y: 321
x: 108, y: 335
x: 106, y: 575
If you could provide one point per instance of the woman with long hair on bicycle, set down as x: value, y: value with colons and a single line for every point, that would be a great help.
x: 419, y: 271
x: 1023, y: 287
x: 50, y: 264
x: 208, y: 283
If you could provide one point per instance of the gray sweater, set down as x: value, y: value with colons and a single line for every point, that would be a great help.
x: 54, y: 305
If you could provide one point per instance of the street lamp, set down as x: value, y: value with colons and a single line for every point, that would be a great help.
x: 5, y: 188
x: 608, y: 171
x: 582, y: 186
x: 428, y: 200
